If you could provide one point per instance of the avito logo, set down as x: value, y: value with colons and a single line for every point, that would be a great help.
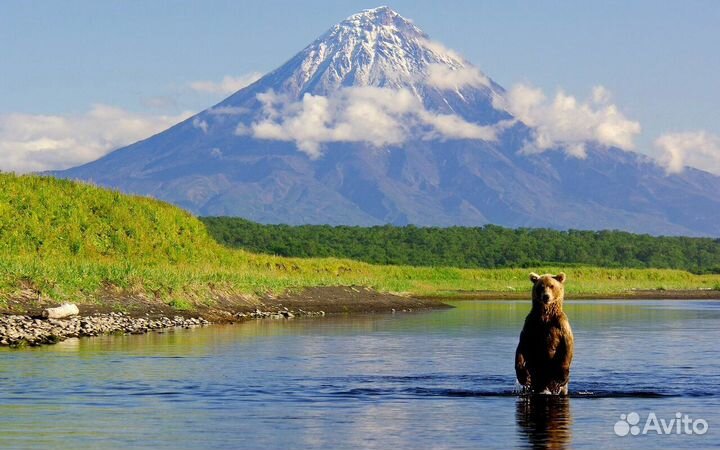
x: 680, y: 424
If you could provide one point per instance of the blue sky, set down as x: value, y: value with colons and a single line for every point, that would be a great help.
x: 81, y: 62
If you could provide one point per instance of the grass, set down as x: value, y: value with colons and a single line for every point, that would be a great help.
x: 66, y: 241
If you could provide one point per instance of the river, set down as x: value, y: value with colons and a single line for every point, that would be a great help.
x: 422, y: 380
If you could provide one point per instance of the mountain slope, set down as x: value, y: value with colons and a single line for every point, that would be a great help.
x: 375, y: 123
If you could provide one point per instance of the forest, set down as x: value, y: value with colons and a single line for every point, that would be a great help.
x: 489, y: 246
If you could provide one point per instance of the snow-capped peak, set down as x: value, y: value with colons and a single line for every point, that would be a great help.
x: 381, y: 17
x: 375, y: 47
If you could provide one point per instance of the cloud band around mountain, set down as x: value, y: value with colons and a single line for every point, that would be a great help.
x: 378, y: 116
x: 567, y: 123
x: 384, y: 116
x: 373, y: 115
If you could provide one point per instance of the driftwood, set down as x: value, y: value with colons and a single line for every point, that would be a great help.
x: 64, y: 310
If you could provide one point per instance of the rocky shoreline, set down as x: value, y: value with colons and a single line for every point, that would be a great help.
x: 18, y: 331
x: 22, y: 331
x: 283, y: 313
x: 22, y: 323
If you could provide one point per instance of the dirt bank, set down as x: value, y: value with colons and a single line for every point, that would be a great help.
x: 225, y: 306
x: 21, y: 325
x: 351, y: 300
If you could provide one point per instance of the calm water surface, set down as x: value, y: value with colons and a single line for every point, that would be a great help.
x: 431, y: 380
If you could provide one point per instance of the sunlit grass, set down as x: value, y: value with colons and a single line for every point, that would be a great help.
x: 63, y: 241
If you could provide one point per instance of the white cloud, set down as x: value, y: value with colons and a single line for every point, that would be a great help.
x: 441, y: 51
x: 693, y: 148
x: 600, y: 94
x: 243, y: 130
x: 228, y: 85
x: 34, y: 142
x: 378, y: 116
x: 568, y: 123
x: 443, y: 76
x: 200, y: 124
x: 451, y: 126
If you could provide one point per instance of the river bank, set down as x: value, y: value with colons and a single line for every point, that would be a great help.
x: 23, y: 326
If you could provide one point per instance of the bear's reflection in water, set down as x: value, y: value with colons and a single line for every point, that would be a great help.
x: 545, y: 421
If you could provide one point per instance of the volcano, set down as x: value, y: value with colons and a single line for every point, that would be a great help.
x: 375, y: 123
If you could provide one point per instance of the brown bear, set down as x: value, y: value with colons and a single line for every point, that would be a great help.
x: 545, y: 351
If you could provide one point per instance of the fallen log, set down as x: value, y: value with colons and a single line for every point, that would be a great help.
x: 64, y: 310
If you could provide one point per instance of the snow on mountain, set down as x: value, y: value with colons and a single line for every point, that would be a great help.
x: 376, y: 47
x: 374, y: 78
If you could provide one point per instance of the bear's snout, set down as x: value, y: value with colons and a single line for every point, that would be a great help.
x: 545, y: 297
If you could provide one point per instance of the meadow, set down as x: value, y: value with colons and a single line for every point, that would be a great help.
x: 67, y: 241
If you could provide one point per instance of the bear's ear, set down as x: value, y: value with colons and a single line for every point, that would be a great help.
x: 534, y: 277
x: 560, y: 277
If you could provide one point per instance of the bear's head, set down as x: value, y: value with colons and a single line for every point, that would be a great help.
x: 548, y: 290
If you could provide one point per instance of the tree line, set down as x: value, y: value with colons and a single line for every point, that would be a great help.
x: 489, y: 246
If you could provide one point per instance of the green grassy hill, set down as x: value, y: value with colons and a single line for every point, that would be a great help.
x: 48, y: 218
x: 61, y: 240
